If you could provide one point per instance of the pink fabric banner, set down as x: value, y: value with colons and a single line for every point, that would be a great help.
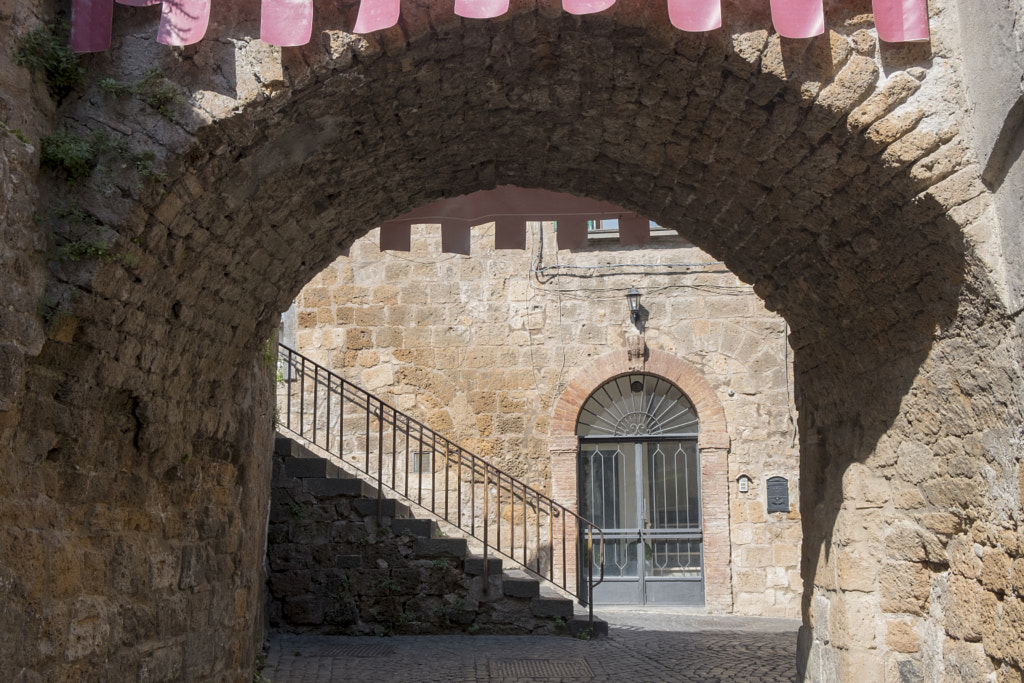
x: 695, y: 15
x: 798, y: 18
x: 286, y: 22
x: 634, y: 229
x: 289, y: 22
x: 480, y: 9
x: 375, y: 15
x: 91, y: 24
x: 455, y: 238
x: 395, y: 236
x: 571, y: 232
x: 183, y: 22
x: 586, y: 6
x: 509, y: 233
x: 901, y: 21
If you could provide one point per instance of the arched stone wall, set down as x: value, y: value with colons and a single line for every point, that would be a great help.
x: 836, y: 175
x: 713, y: 442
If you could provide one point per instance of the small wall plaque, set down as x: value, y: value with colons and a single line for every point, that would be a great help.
x: 778, y: 494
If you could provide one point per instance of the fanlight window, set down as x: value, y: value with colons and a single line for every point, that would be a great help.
x: 637, y: 405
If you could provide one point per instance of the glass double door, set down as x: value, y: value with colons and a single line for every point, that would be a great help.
x: 645, y: 495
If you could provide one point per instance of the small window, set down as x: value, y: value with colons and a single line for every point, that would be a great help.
x: 608, y: 229
x: 421, y: 461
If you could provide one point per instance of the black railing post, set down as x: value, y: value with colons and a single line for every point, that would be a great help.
x: 380, y: 459
x: 487, y: 496
x: 302, y: 398
x: 367, y: 446
x: 590, y: 574
x: 327, y: 427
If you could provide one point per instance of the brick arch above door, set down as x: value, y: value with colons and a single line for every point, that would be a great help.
x: 713, y: 430
x: 713, y: 442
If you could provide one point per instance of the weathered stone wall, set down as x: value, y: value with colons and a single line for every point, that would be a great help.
x: 25, y: 114
x: 133, y: 485
x: 481, y: 347
x: 836, y: 175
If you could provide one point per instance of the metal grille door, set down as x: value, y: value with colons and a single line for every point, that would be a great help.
x: 643, y: 489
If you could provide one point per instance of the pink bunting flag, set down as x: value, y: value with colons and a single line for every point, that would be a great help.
x: 287, y: 23
x: 634, y: 229
x: 509, y: 233
x: 91, y: 23
x: 183, y: 22
x: 900, y: 21
x: 695, y: 15
x: 798, y: 18
x: 395, y: 236
x: 138, y: 3
x: 480, y: 9
x: 375, y: 15
x: 586, y: 6
x: 455, y: 238
x: 571, y: 232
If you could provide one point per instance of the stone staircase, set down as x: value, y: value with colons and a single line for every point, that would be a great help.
x: 337, y: 566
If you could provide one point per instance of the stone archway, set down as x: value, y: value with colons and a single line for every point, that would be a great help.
x: 835, y: 175
x: 713, y: 442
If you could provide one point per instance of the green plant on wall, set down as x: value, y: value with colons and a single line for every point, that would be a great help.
x: 92, y: 243
x: 269, y: 352
x: 297, y: 509
x: 76, y: 157
x: 144, y: 161
x: 53, y: 313
x: 154, y: 89
x: 68, y: 154
x: 46, y: 52
x: 79, y: 250
x: 16, y: 132
x: 73, y: 213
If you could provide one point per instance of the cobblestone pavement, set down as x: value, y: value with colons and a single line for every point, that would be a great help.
x: 644, y: 646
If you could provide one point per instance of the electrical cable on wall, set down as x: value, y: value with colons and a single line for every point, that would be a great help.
x: 544, y: 275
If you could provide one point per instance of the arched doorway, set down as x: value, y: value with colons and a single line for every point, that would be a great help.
x: 712, y: 444
x: 639, y: 480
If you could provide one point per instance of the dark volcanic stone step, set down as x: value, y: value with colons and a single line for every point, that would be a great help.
x: 516, y: 587
x: 324, y: 488
x: 432, y: 547
x: 552, y: 607
x: 474, y: 566
x: 305, y: 468
x: 424, y: 528
x: 389, y: 507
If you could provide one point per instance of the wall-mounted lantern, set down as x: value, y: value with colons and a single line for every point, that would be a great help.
x: 743, y: 481
x: 633, y: 298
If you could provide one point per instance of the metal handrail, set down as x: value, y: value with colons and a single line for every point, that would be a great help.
x: 413, y: 460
